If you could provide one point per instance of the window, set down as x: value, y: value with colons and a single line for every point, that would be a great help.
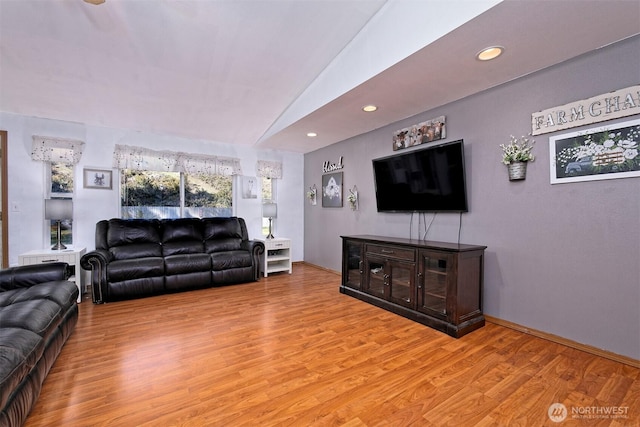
x: 268, y: 188
x: 208, y: 195
x: 268, y: 171
x: 61, y: 180
x: 154, y: 194
x: 59, y: 156
x: 168, y: 184
x: 60, y: 186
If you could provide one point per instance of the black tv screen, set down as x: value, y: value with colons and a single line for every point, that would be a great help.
x: 425, y: 180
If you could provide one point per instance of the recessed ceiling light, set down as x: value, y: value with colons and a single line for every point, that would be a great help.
x: 489, y: 53
x: 96, y: 2
x: 369, y: 108
x: 312, y: 134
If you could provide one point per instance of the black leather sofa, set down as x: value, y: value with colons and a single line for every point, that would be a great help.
x: 142, y: 257
x: 38, y: 313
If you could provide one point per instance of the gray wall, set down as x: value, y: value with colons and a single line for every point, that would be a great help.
x: 564, y: 258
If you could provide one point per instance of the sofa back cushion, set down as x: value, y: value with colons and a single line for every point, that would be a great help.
x: 223, y: 234
x: 134, y: 238
x: 182, y: 236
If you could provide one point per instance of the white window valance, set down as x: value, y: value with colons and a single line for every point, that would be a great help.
x: 58, y: 150
x: 267, y: 169
x: 139, y: 158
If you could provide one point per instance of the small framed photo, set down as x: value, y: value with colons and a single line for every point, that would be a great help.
x: 97, y: 178
x: 249, y: 187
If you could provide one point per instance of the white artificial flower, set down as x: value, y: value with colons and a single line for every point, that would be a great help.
x: 630, y: 153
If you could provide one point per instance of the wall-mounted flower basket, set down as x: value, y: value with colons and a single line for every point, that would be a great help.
x: 517, y: 171
x: 516, y: 155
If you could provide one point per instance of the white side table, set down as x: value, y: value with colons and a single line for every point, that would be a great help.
x: 276, y: 256
x: 70, y: 255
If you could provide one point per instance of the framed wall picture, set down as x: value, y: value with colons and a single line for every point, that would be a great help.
x: 600, y: 153
x: 428, y: 131
x: 332, y: 190
x: 249, y: 187
x: 97, y: 178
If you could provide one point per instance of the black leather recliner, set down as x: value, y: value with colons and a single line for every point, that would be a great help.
x: 38, y: 313
x: 141, y: 257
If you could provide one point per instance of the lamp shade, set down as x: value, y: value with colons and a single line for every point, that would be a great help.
x: 270, y: 210
x: 58, y: 209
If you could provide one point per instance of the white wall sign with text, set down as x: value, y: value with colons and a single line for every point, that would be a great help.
x: 609, y: 106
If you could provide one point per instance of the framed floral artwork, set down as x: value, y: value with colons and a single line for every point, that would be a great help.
x: 332, y: 190
x: 608, y: 152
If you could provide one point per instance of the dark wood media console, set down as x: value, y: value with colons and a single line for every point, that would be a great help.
x: 434, y: 283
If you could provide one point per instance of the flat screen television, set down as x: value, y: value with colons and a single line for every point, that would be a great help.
x: 431, y: 179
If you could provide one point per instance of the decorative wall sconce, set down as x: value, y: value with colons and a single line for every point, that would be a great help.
x: 312, y: 195
x: 353, y: 198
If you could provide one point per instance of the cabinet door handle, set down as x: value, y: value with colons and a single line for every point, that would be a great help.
x: 387, y: 251
x: 48, y: 260
x: 360, y: 267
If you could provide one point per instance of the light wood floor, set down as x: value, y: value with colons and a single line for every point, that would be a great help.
x: 291, y: 350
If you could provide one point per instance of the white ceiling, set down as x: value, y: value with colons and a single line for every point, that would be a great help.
x: 266, y: 72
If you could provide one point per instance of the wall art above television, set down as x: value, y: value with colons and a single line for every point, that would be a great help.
x: 428, y: 131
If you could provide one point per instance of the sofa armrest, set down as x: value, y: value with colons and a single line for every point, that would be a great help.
x: 89, y: 259
x: 256, y: 248
x: 25, y: 276
x: 96, y: 261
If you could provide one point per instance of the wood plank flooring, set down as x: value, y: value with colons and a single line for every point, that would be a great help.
x: 290, y: 350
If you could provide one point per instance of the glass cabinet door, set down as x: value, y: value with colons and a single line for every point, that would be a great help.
x: 352, y: 264
x: 433, y: 282
x: 375, y: 279
x: 401, y: 283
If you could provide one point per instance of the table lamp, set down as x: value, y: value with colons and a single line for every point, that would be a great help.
x: 58, y: 210
x: 269, y: 210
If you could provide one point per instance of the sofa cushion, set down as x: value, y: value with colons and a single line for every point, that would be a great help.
x: 222, y: 245
x: 128, y: 269
x: 177, y: 230
x: 138, y: 250
x: 134, y: 238
x: 230, y: 259
x: 20, y: 350
x: 39, y: 316
x: 217, y: 228
x: 136, y: 287
x: 63, y: 293
x: 185, y: 281
x: 24, y: 276
x: 222, y: 234
x: 183, y: 247
x: 188, y: 263
x: 7, y: 297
